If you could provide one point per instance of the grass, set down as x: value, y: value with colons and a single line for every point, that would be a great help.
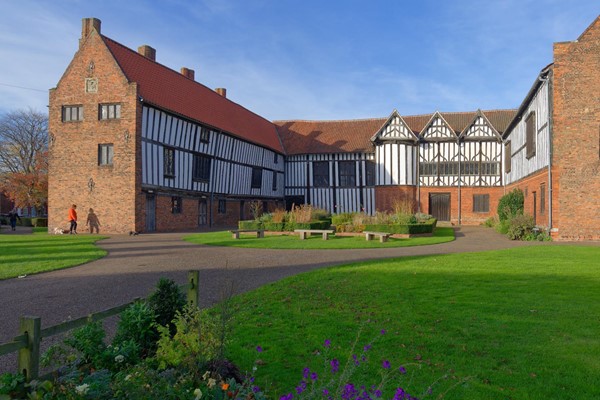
x: 40, y: 252
x: 511, y: 324
x: 223, y: 238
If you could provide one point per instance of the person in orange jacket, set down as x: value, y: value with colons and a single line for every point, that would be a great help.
x: 73, y: 219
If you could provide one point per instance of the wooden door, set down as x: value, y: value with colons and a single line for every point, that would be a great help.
x: 150, y: 213
x: 439, y: 206
x: 202, y: 212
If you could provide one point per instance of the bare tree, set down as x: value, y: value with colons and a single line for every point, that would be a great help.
x: 23, y: 136
x: 24, y: 157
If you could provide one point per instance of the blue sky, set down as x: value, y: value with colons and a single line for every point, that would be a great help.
x: 309, y: 59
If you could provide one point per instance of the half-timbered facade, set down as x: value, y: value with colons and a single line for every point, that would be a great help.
x: 149, y: 148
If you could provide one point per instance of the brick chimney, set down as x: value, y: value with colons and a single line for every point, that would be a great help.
x: 188, y: 73
x: 87, y: 26
x: 221, y: 91
x: 148, y: 52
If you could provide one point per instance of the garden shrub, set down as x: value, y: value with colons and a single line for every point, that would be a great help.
x: 39, y: 222
x: 520, y: 226
x: 89, y: 342
x: 166, y: 301
x: 412, y: 229
x: 196, y: 340
x: 137, y: 324
x: 249, y: 224
x: 25, y: 221
x: 511, y: 204
x: 342, y: 218
x: 274, y: 226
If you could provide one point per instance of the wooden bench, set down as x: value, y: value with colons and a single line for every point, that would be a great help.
x: 260, y: 233
x: 383, y: 236
x: 305, y: 232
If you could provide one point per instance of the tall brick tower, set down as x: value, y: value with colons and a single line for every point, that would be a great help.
x: 94, y: 141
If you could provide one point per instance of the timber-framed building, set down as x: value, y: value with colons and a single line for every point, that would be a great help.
x: 151, y: 149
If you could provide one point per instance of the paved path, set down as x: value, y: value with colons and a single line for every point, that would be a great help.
x: 135, y: 263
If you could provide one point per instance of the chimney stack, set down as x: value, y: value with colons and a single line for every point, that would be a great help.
x: 188, y: 73
x: 148, y: 52
x: 87, y: 26
x: 221, y: 91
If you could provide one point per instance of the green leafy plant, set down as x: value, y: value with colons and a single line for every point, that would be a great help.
x: 137, y: 325
x: 89, y: 342
x: 195, y: 340
x: 166, y: 301
x: 511, y: 205
x: 520, y: 226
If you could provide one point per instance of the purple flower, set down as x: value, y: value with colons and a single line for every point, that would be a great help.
x: 377, y: 393
x: 402, y: 369
x: 305, y: 373
x: 259, y: 349
x: 288, y: 396
x: 383, y: 331
x: 325, y: 392
x: 349, y: 392
x: 327, y: 343
x: 386, y: 364
x: 335, y: 365
x: 368, y: 347
x: 256, y: 389
x: 314, y: 376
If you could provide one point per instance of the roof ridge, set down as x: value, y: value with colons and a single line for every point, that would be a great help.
x: 329, y: 120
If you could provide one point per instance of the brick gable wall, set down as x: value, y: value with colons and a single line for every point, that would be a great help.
x: 74, y: 173
x: 576, y: 119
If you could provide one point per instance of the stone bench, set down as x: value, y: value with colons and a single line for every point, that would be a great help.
x: 260, y: 233
x: 304, y: 233
x: 383, y: 236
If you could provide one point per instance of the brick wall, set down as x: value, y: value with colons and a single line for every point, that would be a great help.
x: 532, y: 187
x: 166, y: 220
x: 74, y: 173
x: 388, y: 197
x: 576, y: 130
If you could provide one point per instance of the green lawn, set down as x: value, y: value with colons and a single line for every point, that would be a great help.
x: 40, y: 252
x: 292, y: 241
x: 513, y: 324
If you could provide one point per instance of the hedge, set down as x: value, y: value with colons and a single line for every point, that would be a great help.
x: 280, y: 226
x: 251, y: 224
x: 39, y: 222
x: 410, y: 229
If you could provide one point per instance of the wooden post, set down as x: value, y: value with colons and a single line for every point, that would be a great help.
x: 28, y: 361
x: 193, y: 292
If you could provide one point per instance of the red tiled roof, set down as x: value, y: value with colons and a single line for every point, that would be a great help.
x: 171, y: 91
x: 305, y: 137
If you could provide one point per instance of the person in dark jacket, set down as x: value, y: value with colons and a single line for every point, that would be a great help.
x: 12, y: 216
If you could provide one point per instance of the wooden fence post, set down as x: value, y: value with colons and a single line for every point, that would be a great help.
x: 28, y: 361
x: 193, y: 292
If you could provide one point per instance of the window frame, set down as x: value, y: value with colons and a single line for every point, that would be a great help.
x: 370, y: 172
x: 109, y: 111
x: 345, y: 178
x: 323, y: 178
x: 530, y: 134
x: 168, y: 162
x: 507, y: 157
x: 105, y: 158
x: 542, y: 198
x: 222, y: 206
x: 481, y: 203
x: 176, y: 204
x: 274, y: 183
x: 256, y: 181
x: 204, y: 134
x: 201, y: 165
x: 70, y: 109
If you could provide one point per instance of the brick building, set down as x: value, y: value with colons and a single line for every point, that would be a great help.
x: 149, y: 148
